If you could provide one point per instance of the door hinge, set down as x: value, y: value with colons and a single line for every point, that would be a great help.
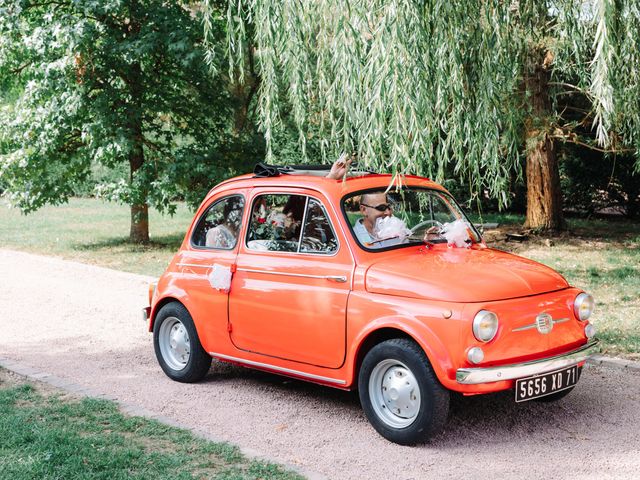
x: 234, y: 267
x: 229, y: 327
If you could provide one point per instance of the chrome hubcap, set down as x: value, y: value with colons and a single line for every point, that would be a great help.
x: 394, y: 393
x: 175, y: 344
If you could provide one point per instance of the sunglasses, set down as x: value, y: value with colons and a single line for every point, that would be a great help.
x: 383, y: 207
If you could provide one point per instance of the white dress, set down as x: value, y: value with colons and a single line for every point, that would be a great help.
x: 373, y: 241
x: 220, y: 237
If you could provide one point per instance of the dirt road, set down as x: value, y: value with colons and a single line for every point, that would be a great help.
x: 82, y: 323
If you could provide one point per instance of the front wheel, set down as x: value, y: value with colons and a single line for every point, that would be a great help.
x: 177, y: 346
x: 400, y: 394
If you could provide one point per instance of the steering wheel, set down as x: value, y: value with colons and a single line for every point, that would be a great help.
x: 423, y: 224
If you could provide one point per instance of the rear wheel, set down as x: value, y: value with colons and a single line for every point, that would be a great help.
x: 400, y: 394
x: 177, y: 347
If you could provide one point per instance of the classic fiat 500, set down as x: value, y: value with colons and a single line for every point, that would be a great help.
x: 354, y: 285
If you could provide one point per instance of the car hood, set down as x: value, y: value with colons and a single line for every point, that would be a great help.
x: 461, y: 275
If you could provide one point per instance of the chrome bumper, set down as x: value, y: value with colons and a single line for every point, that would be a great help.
x: 472, y: 376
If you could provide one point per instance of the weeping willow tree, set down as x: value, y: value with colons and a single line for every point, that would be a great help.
x: 431, y: 87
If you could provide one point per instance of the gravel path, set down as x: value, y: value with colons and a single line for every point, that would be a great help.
x: 82, y: 323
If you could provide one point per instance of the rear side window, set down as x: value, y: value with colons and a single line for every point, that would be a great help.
x: 275, y: 222
x: 219, y: 226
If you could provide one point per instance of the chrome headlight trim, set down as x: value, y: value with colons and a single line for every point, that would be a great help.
x: 485, y: 325
x: 583, y: 306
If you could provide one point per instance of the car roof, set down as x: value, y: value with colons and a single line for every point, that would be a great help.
x: 316, y: 180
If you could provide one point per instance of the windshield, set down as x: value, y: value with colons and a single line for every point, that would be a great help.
x: 408, y: 216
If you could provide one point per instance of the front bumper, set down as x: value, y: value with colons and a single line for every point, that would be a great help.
x: 474, y: 376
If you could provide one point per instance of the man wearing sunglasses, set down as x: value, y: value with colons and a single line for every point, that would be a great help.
x: 372, y: 207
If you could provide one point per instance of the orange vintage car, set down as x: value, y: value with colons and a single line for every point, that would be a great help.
x: 354, y: 285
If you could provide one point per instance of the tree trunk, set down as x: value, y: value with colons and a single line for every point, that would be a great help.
x: 244, y: 93
x: 544, y: 198
x: 139, y: 232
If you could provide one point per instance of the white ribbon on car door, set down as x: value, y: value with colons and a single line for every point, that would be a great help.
x: 220, y: 277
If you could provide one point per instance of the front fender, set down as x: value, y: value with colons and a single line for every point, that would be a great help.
x: 439, y: 337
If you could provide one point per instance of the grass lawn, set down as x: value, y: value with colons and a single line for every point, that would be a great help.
x: 48, y: 435
x: 92, y: 231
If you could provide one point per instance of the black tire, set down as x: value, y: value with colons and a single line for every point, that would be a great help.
x: 177, y: 346
x: 411, y: 405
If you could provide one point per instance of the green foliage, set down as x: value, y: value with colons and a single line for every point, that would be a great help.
x: 99, y: 177
x: 118, y: 84
x: 427, y: 87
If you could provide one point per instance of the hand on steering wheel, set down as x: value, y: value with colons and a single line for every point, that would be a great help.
x: 430, y: 233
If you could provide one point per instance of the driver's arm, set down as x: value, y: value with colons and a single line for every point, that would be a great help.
x: 431, y: 234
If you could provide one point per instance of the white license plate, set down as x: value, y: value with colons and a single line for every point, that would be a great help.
x: 546, y: 384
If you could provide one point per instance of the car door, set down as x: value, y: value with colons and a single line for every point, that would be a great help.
x: 293, y: 275
x: 212, y: 250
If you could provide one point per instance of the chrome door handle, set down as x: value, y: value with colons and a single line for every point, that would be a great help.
x: 336, y: 278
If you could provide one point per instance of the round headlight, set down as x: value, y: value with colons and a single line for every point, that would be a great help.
x: 583, y: 306
x: 485, y: 325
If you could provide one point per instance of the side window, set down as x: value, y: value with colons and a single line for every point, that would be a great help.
x: 219, y: 226
x: 317, y: 236
x: 275, y: 222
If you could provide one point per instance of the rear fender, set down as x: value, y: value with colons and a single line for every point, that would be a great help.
x: 176, y: 295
